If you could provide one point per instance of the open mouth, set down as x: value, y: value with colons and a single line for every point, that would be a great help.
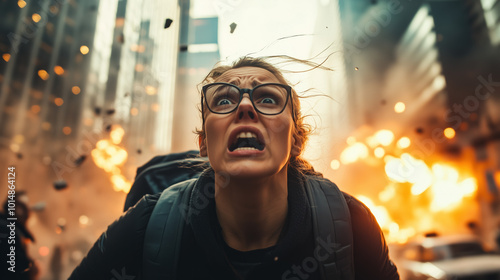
x: 246, y: 141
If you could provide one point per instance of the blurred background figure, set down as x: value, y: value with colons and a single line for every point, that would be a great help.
x: 25, y: 266
x: 90, y: 90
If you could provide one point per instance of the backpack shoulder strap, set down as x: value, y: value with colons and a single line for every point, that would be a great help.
x: 164, y: 231
x: 331, y: 225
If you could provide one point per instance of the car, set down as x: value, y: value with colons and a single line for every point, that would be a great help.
x: 459, y: 257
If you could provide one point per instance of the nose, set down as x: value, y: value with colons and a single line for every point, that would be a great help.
x: 246, y: 110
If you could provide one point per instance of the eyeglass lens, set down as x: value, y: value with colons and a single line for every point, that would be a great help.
x: 267, y: 99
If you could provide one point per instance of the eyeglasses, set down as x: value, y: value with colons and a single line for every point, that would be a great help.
x: 267, y: 99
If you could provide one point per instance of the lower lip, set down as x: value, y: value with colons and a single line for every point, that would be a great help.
x: 245, y: 153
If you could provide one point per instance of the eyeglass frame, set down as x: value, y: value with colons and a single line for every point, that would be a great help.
x: 250, y: 95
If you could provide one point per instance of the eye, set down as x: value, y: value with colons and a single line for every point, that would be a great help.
x: 224, y: 102
x: 268, y: 100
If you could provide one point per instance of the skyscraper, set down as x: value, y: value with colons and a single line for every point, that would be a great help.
x: 44, y: 48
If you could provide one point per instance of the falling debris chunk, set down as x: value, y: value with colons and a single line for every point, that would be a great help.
x: 110, y: 111
x: 168, y: 22
x: 233, y: 27
x: 183, y: 48
x: 419, y: 130
x: 97, y: 110
x: 80, y: 160
x: 121, y: 38
x: 60, y: 229
x: 139, y: 151
x: 19, y: 156
x: 356, y: 68
x: 60, y: 185
x: 108, y: 127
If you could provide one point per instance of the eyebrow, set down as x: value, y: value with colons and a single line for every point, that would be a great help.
x: 255, y: 83
x: 237, y: 82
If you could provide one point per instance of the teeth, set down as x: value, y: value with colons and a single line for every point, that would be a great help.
x: 245, y: 148
x: 246, y: 135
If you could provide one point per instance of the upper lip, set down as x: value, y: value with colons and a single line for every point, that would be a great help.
x: 236, y: 131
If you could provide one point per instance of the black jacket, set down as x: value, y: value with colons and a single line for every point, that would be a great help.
x: 204, y: 254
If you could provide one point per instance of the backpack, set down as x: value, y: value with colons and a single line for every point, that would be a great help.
x: 167, y: 174
x: 163, y: 171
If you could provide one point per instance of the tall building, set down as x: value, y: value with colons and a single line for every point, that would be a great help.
x: 399, y: 50
x: 47, y: 60
x: 68, y: 70
x: 71, y: 68
x: 371, y: 31
x: 415, y: 76
x: 140, y: 83
x: 198, y: 50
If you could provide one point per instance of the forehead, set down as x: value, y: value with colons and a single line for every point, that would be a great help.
x: 254, y: 75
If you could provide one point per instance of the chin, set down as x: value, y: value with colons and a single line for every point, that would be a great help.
x: 249, y: 170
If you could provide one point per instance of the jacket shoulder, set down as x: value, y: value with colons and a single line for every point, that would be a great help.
x: 371, y: 253
x: 356, y: 205
x: 120, y: 245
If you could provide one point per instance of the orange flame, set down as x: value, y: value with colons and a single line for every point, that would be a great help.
x: 419, y: 197
x: 442, y: 180
x: 109, y: 156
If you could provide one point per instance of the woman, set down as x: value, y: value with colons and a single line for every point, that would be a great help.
x: 259, y: 222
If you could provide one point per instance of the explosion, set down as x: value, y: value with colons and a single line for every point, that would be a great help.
x: 419, y: 197
x: 110, y: 157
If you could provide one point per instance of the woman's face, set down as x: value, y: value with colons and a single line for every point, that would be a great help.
x: 273, y: 132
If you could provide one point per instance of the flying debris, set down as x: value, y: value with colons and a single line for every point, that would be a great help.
x: 139, y: 151
x: 108, y: 127
x: 110, y: 111
x: 60, y: 228
x: 80, y: 160
x: 183, y: 48
x: 61, y: 225
x: 19, y: 155
x: 233, y: 27
x: 168, y: 22
x: 60, y: 185
x: 97, y: 110
x: 419, y: 130
x: 121, y: 38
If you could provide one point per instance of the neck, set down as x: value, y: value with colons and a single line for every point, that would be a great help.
x: 252, y: 212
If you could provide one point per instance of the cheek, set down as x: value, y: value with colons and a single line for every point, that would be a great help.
x: 281, y: 132
x: 210, y: 134
x: 284, y: 124
x: 214, y: 132
x: 281, y: 125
